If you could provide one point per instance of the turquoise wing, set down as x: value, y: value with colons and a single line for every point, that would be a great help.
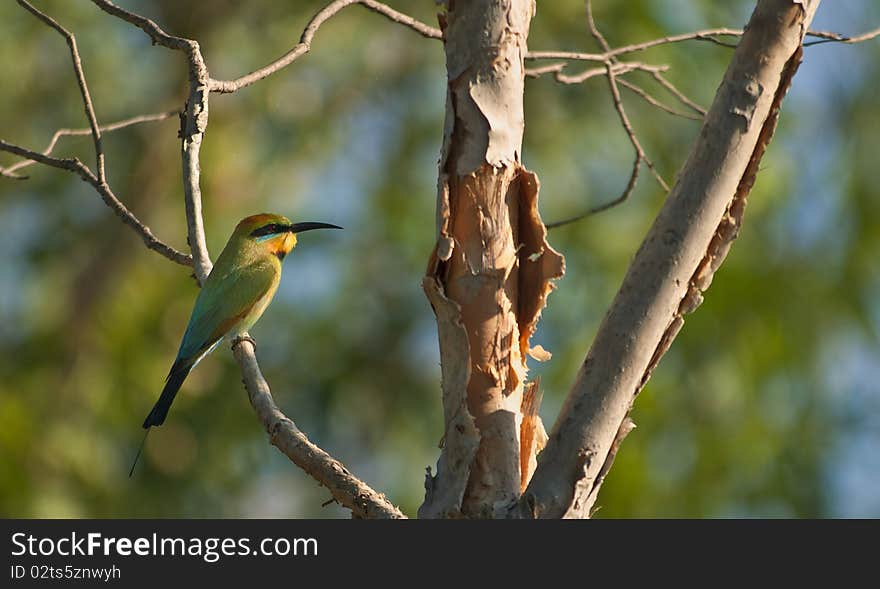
x: 222, y: 303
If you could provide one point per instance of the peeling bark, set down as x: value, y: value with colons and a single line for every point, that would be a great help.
x: 686, y: 244
x: 532, y: 436
x: 491, y: 269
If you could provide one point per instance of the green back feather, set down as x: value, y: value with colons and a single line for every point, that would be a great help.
x: 242, y: 276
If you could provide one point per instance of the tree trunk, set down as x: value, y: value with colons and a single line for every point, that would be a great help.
x: 490, y: 271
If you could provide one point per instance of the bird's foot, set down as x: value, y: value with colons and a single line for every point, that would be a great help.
x: 244, y: 338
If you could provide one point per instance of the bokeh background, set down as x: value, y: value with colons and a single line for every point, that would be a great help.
x: 768, y: 403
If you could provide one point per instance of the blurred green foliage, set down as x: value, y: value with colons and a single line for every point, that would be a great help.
x: 768, y: 403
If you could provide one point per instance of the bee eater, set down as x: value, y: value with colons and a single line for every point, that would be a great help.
x: 234, y: 296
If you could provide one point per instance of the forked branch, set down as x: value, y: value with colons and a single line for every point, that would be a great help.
x: 106, y: 193
x: 686, y: 244
x: 80, y: 80
x: 305, y: 41
x: 97, y: 180
x: 345, y: 487
x: 11, y: 171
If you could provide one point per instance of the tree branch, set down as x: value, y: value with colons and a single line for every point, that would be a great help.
x: 491, y: 268
x: 305, y: 41
x: 685, y: 246
x: 630, y: 186
x: 9, y: 171
x: 80, y: 80
x: 192, y: 127
x: 709, y: 35
x: 345, y: 488
x: 641, y: 92
x: 828, y: 37
x: 99, y: 180
x: 679, y: 94
x: 640, y: 156
x: 618, y: 68
x: 704, y: 35
x: 106, y: 194
x: 630, y: 132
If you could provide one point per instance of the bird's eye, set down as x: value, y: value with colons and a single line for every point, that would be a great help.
x: 269, y: 229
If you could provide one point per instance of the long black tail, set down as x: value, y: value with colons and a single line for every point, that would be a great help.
x: 178, y: 374
x: 138, y: 455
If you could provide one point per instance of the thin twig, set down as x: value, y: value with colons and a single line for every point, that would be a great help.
x: 161, y: 116
x: 618, y: 102
x: 106, y: 193
x: 305, y: 41
x: 640, y: 155
x: 537, y: 72
x: 630, y: 185
x: 624, y: 120
x: 619, y: 68
x: 709, y: 35
x: 678, y: 94
x: 597, y: 35
x: 99, y: 180
x: 704, y: 35
x: 639, y: 91
x: 192, y: 131
x: 828, y: 37
x: 155, y: 32
x: 80, y: 80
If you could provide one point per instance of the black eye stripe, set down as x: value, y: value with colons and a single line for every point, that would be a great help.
x: 269, y: 229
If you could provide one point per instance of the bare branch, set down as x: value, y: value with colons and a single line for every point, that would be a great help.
x: 537, y: 72
x: 7, y: 173
x: 305, y: 41
x: 640, y: 156
x: 80, y: 80
x: 346, y: 489
x: 192, y: 128
x: 618, y: 68
x: 618, y: 102
x: 709, y: 35
x: 70, y: 164
x: 155, y: 32
x: 639, y: 91
x: 613, y: 69
x: 827, y: 37
x: 630, y: 186
x: 106, y: 194
x: 704, y: 35
x: 679, y: 94
x: 594, y: 31
x: 627, y: 126
x: 684, y: 247
x: 161, y: 116
x: 99, y: 181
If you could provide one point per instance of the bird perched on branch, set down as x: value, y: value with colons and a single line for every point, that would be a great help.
x: 233, y: 297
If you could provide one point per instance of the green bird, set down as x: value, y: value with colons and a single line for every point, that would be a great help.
x: 233, y: 297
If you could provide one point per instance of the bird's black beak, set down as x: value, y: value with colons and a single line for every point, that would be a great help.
x: 309, y: 225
